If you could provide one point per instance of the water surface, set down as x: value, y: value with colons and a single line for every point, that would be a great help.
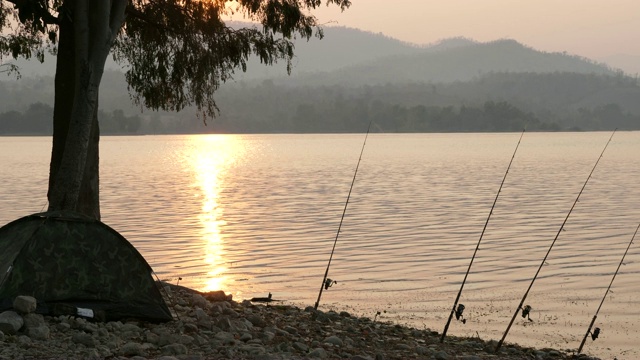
x: 253, y: 214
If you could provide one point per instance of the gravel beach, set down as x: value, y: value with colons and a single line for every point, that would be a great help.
x: 213, y: 326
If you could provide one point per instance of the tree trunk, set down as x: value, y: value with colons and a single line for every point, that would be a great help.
x: 88, y: 200
x: 85, y: 42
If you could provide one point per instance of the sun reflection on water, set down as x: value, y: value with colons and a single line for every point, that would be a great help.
x: 212, y: 155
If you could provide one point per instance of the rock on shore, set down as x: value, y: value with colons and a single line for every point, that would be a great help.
x: 212, y: 326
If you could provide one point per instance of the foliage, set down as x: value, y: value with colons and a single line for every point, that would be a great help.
x: 177, y: 52
x: 27, y: 22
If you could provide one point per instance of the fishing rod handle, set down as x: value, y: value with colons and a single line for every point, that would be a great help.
x: 511, y: 323
x: 584, y: 339
x: 446, y: 327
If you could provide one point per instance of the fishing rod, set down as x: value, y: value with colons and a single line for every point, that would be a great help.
x: 526, y: 309
x: 326, y: 282
x: 596, y: 331
x: 460, y: 308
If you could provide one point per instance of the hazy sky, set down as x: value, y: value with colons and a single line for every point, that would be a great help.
x: 590, y: 28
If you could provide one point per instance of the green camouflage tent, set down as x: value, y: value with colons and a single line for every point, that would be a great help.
x: 68, y: 261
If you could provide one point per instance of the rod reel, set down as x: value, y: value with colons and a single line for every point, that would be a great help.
x: 329, y: 283
x: 595, y: 333
x: 459, y: 315
x: 525, y: 312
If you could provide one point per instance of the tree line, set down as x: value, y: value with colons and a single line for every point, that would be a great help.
x: 340, y: 115
x: 37, y: 120
x: 549, y: 102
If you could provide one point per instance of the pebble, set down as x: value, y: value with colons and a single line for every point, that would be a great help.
x: 334, y: 340
x: 10, y: 322
x: 25, y: 304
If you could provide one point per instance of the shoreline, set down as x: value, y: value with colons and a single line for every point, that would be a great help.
x: 213, y: 326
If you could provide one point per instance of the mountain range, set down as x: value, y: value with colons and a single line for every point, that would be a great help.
x: 371, y: 58
x: 353, y: 65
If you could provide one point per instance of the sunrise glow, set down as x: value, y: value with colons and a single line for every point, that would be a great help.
x: 212, y: 156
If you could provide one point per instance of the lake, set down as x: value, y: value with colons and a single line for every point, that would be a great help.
x: 253, y: 214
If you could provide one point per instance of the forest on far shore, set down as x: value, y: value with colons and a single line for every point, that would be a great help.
x: 340, y: 117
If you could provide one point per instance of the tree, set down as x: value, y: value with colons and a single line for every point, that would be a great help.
x: 177, y: 53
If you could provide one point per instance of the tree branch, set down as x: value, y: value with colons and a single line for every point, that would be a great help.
x: 117, y: 17
x: 133, y: 12
x: 37, y: 9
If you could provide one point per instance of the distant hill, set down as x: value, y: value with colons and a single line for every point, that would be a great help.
x: 340, y: 47
x: 356, y: 57
x: 455, y: 60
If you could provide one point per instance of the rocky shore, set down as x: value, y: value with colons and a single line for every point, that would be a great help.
x: 213, y: 326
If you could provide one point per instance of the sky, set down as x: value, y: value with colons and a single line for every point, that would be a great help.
x: 596, y: 29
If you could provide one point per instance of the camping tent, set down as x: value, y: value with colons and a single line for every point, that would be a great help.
x: 68, y: 260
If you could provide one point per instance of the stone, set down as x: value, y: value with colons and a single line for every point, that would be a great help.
x: 185, y: 339
x: 193, y: 328
x: 201, y: 314
x: 300, y: 346
x: 10, y: 322
x: 174, y: 349
x: 90, y: 327
x: 102, y: 332
x: 199, y: 301
x: 334, y: 340
x: 33, y: 320
x: 166, y: 339
x: 25, y: 341
x: 267, y: 336
x: 469, y: 357
x: 253, y: 349
x: 239, y: 325
x: 24, y: 304
x: 39, y: 333
x: 191, y: 357
x: 104, y: 351
x: 256, y: 320
x: 318, y: 353
x: 291, y: 330
x: 132, y: 349
x: 84, y: 339
x: 128, y: 327
x: 553, y: 353
x: 218, y: 296
x: 225, y: 337
x: 63, y: 327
